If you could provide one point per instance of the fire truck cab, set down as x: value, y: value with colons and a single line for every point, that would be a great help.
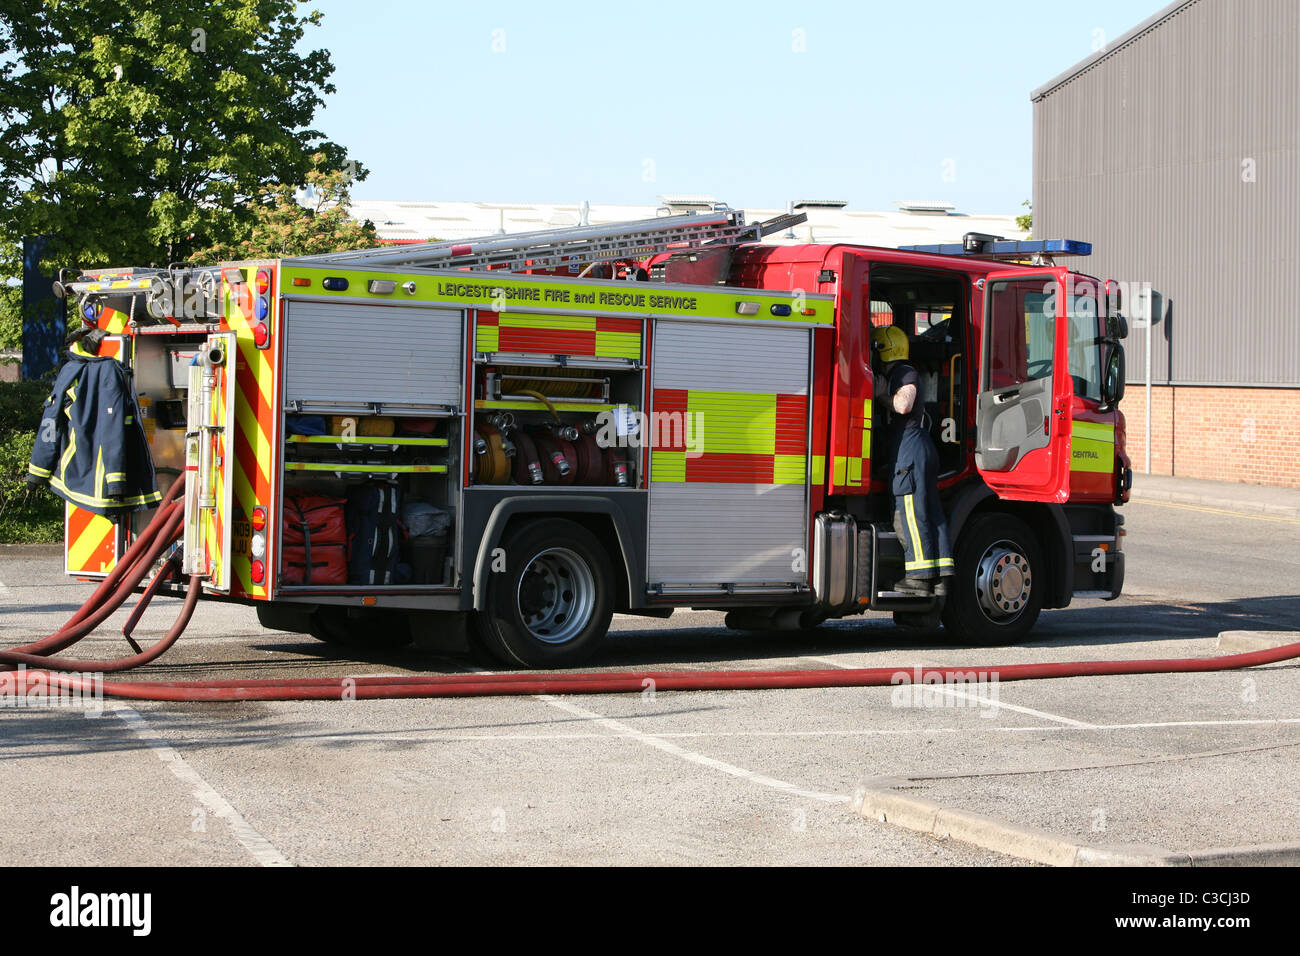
x: 1022, y: 372
x: 512, y: 439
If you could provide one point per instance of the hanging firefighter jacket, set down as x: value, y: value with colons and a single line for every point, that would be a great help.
x: 91, y: 445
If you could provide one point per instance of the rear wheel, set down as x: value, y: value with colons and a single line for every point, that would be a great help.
x: 552, y: 604
x: 998, y: 590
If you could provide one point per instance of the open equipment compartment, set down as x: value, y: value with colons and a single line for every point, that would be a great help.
x: 557, y: 401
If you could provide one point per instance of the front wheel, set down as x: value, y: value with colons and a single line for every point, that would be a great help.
x: 552, y: 603
x: 998, y: 590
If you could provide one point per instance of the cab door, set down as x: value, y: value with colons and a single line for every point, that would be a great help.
x: 1022, y: 416
x: 209, y: 459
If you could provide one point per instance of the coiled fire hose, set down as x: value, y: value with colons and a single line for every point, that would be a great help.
x: 155, y: 540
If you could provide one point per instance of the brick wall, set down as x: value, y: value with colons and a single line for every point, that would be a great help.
x: 1250, y: 435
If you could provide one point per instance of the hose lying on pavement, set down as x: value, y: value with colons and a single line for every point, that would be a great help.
x: 155, y: 540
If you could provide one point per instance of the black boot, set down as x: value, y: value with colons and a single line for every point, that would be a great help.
x: 920, y: 586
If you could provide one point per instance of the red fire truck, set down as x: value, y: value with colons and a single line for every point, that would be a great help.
x: 623, y: 418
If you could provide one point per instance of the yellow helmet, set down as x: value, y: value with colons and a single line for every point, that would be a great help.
x: 890, y: 343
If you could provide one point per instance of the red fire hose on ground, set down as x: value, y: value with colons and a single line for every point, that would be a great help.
x: 154, y: 542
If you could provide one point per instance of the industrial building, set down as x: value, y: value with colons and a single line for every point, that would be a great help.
x: 1175, y: 150
x: 829, y: 220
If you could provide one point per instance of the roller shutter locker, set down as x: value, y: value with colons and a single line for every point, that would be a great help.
x: 751, y: 527
x: 353, y: 354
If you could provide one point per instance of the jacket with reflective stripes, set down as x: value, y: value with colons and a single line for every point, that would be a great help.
x: 91, y: 446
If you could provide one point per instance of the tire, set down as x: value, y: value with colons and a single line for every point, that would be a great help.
x: 997, y: 593
x: 553, y: 603
x: 384, y: 628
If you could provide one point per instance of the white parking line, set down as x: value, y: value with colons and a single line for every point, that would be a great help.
x: 650, y: 740
x: 983, y: 701
x: 262, y: 850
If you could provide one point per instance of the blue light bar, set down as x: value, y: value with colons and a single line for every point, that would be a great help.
x: 1009, y: 247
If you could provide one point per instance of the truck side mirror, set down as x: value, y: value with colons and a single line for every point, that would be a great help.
x: 1112, y: 383
x: 1116, y: 326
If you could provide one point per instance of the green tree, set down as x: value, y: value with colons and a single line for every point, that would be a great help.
x: 284, y: 226
x: 1026, y: 222
x: 11, y: 316
x: 137, y: 131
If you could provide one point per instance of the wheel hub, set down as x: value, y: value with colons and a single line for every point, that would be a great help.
x: 1003, y: 582
x: 556, y: 596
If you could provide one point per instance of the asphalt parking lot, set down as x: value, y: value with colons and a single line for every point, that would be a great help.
x: 1153, y: 765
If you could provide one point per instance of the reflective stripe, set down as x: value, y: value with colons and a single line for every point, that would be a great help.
x: 920, y: 565
x: 57, y: 483
x: 736, y: 422
x: 911, y: 523
x: 789, y: 469
x: 667, y: 465
x: 1092, y: 447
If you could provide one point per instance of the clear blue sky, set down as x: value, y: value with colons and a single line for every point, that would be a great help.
x: 562, y: 102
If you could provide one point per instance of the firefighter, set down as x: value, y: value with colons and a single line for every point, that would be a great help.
x: 912, y: 466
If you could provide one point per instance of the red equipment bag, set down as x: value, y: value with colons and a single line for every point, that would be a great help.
x: 328, y: 564
x: 314, y: 538
x: 314, y: 519
x: 417, y: 427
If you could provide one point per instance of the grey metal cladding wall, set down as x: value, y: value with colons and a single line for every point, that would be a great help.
x: 345, y: 353
x: 1148, y: 154
x: 732, y: 358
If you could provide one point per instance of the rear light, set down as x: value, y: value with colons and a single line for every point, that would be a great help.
x: 257, y: 546
x: 259, y: 518
x: 261, y: 309
x: 257, y: 571
x: 261, y: 335
x: 263, y: 280
x: 301, y: 280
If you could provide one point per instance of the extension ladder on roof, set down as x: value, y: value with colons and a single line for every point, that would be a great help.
x: 549, y: 248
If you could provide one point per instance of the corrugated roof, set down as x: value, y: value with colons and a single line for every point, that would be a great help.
x: 1110, y: 49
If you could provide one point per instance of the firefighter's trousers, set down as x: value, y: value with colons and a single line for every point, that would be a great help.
x: 918, y: 515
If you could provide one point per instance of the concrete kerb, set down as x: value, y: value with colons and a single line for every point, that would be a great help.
x: 1238, y: 641
x: 1214, y: 501
x: 880, y: 799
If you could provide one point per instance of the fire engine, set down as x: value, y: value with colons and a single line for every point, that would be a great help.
x: 522, y: 435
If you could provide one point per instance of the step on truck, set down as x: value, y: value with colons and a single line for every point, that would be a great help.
x: 516, y: 437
